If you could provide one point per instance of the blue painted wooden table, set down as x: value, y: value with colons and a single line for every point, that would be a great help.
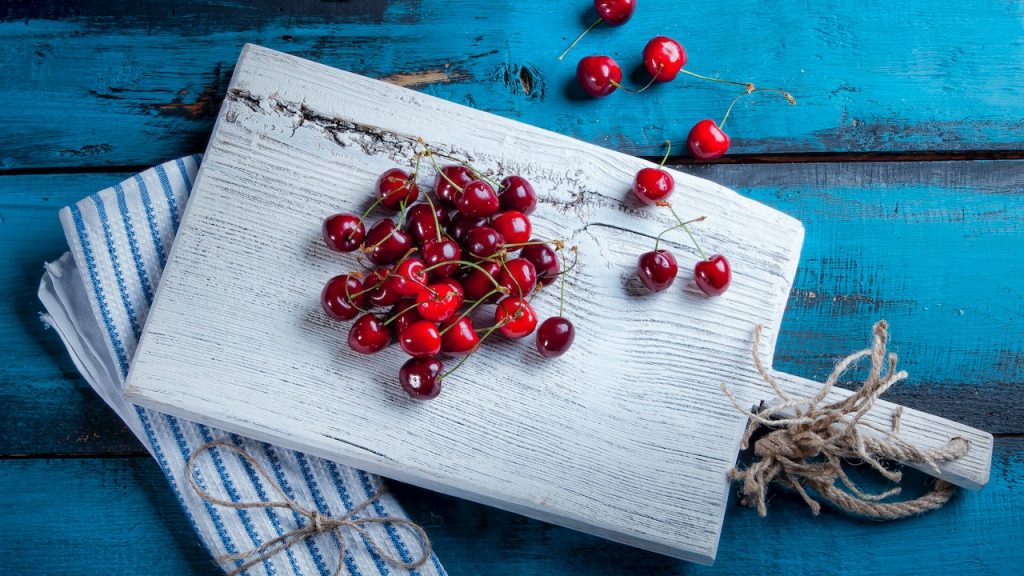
x: 903, y: 160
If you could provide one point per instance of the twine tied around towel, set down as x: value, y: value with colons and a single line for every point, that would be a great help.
x: 807, y: 442
x: 316, y: 522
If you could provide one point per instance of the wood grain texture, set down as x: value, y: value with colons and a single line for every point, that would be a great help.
x: 93, y: 83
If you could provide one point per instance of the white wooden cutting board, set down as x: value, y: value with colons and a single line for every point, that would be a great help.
x: 627, y: 436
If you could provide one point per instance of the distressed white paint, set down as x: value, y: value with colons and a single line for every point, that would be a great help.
x: 627, y: 436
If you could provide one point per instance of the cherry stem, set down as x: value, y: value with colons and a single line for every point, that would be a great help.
x: 403, y: 311
x: 561, y: 290
x: 578, y: 38
x: 786, y: 95
x: 668, y: 150
x: 438, y: 168
x: 749, y: 86
x: 558, y: 243
x: 370, y: 209
x: 433, y: 212
x: 475, y: 348
x: 470, y: 309
x: 686, y: 228
x: 728, y: 110
x: 465, y: 263
x: 480, y: 175
x: 646, y: 86
x: 349, y: 297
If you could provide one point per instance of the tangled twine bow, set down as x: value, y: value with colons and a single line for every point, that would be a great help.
x: 807, y: 443
x: 317, y: 523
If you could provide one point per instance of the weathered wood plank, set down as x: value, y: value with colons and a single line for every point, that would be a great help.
x: 90, y: 83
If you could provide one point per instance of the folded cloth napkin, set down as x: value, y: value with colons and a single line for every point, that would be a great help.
x: 97, y: 297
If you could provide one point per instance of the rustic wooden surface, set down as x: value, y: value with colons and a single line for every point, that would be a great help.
x: 932, y: 246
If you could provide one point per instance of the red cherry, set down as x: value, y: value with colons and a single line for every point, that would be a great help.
x: 478, y: 199
x: 517, y: 194
x: 458, y: 336
x: 386, y: 287
x: 707, y: 141
x: 420, y: 223
x: 343, y: 232
x: 404, y: 314
x: 421, y: 338
x: 615, y: 12
x: 386, y: 243
x: 437, y: 252
x: 462, y: 224
x: 653, y: 185
x: 657, y: 270
x: 544, y: 261
x: 478, y: 285
x: 439, y: 302
x: 516, y: 317
x: 420, y: 377
x: 448, y: 194
x: 713, y: 275
x: 456, y: 286
x: 518, y: 276
x: 598, y: 75
x: 514, y: 227
x: 396, y: 188
x: 555, y: 336
x: 664, y: 58
x: 412, y: 272
x: 340, y: 297
x: 483, y: 242
x: 369, y: 335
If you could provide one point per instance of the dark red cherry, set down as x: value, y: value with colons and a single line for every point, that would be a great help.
x: 413, y: 277
x: 518, y: 276
x: 707, y: 141
x: 420, y: 338
x: 341, y: 298
x: 396, y: 188
x: 598, y: 75
x: 664, y: 58
x: 369, y: 335
x: 385, y: 243
x: 478, y: 285
x: 456, y: 286
x: 478, y: 199
x: 652, y: 185
x: 343, y: 232
x: 385, y: 292
x: 615, y: 12
x: 462, y: 224
x: 544, y: 261
x: 515, y: 317
x: 458, y: 335
x: 421, y: 377
x: 404, y: 314
x: 483, y: 242
x: 713, y: 275
x: 436, y: 252
x: 517, y: 194
x: 439, y: 302
x: 514, y: 227
x: 420, y: 222
x: 444, y: 189
x: 657, y: 270
x: 555, y: 336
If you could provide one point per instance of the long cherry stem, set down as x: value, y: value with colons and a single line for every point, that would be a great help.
x: 580, y: 37
x: 561, y: 290
x: 646, y: 86
x: 684, y: 226
x: 668, y: 150
x: 475, y: 348
x: 749, y: 86
x: 403, y: 311
x: 496, y: 284
x: 438, y: 169
x: 433, y: 212
x: 786, y: 95
x: 470, y: 309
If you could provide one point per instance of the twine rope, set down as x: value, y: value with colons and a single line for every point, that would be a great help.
x: 807, y: 443
x: 317, y: 523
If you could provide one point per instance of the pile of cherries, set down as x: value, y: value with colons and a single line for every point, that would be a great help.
x: 467, y: 244
x: 664, y: 59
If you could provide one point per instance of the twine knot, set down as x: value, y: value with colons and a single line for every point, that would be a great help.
x: 808, y: 441
x: 316, y: 522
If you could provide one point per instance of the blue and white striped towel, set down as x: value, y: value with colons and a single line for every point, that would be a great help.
x: 97, y: 297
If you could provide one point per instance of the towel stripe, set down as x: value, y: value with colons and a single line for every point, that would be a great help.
x: 275, y: 467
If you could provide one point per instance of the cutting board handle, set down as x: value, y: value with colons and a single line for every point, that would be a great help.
x: 925, y: 431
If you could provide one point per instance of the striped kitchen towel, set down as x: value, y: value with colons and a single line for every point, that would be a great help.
x: 97, y: 297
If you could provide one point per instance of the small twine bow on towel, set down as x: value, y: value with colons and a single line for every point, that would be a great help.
x: 807, y: 442
x: 318, y: 523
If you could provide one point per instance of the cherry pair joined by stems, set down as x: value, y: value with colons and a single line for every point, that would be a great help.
x: 657, y: 269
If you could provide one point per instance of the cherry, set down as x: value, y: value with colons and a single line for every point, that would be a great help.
x: 404, y: 314
x: 420, y: 377
x: 615, y: 12
x: 657, y: 270
x: 340, y: 297
x: 456, y: 287
x: 518, y: 276
x: 385, y: 243
x: 664, y: 58
x: 515, y: 317
x: 544, y: 261
x: 411, y: 277
x: 652, y: 185
x: 484, y: 242
x: 458, y: 336
x: 397, y: 188
x: 369, y: 335
x: 707, y: 141
x: 478, y: 199
x: 421, y: 338
x: 517, y: 194
x: 343, y: 232
x: 713, y: 275
x: 598, y: 75
x: 384, y: 292
x: 437, y: 252
x: 420, y: 222
x: 444, y: 189
x: 462, y: 224
x: 478, y: 285
x: 514, y: 227
x: 439, y: 302
x: 555, y: 336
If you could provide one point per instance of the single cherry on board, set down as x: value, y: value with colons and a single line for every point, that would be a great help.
x: 369, y: 335
x: 707, y: 140
x: 421, y: 377
x: 397, y: 188
x: 664, y: 58
x: 421, y: 338
x: 657, y: 270
x: 515, y: 317
x: 343, y: 232
x: 341, y: 298
x: 713, y: 275
x: 599, y: 76
x: 653, y: 185
x: 517, y: 194
x: 555, y: 336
